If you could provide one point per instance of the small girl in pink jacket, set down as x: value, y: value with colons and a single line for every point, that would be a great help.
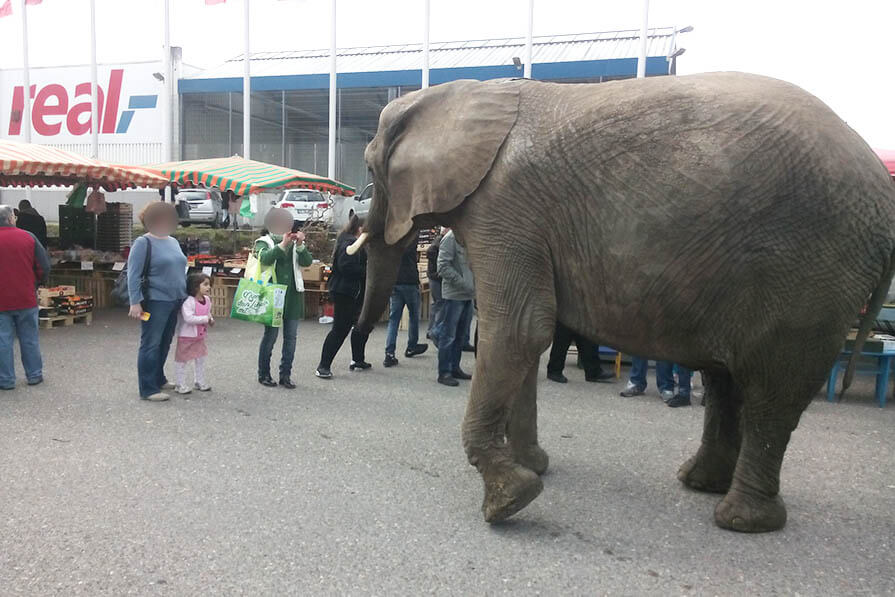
x: 192, y: 326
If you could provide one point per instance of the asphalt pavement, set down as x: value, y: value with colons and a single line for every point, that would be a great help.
x: 359, y: 485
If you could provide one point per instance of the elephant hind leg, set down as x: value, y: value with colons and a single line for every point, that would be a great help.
x: 774, y: 396
x: 711, y: 468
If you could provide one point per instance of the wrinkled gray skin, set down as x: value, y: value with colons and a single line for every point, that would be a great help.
x: 728, y: 222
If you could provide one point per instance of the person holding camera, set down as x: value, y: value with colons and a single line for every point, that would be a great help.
x: 286, y: 252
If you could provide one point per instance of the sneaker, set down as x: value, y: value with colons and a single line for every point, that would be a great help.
x: 447, y: 380
x: 36, y: 381
x: 631, y: 391
x: 12, y: 387
x: 557, y: 377
x: 267, y: 381
x: 390, y: 361
x: 183, y: 390
x: 668, y: 395
x: 203, y: 387
x: 286, y: 382
x: 359, y: 366
x: 416, y: 350
x: 678, y: 400
x: 157, y: 397
x: 168, y: 386
x: 323, y: 373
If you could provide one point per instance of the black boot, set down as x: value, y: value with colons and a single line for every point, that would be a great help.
x: 287, y: 383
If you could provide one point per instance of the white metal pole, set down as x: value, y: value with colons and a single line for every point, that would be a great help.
x: 94, y: 86
x: 26, y: 75
x: 426, y: 44
x: 167, y: 84
x: 246, y: 93
x: 641, y: 59
x: 331, y: 162
x: 528, y: 39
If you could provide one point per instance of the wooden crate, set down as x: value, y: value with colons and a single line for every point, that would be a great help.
x: 99, y: 285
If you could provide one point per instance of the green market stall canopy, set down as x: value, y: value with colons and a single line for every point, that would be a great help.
x: 245, y: 177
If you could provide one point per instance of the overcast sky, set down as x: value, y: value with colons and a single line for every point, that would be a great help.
x: 842, y: 51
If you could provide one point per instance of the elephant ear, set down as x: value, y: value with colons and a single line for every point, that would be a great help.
x: 439, y: 145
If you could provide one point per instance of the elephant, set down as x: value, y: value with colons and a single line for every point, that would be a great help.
x: 726, y: 221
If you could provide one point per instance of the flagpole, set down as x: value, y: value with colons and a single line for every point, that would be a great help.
x: 528, y: 39
x: 94, y: 87
x: 641, y: 59
x: 331, y: 162
x: 26, y: 74
x: 246, y: 92
x: 426, y: 44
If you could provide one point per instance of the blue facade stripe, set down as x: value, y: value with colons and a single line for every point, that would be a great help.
x: 655, y: 65
x: 142, y: 101
x: 125, y: 121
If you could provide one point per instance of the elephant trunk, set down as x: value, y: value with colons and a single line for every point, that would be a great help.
x: 382, y: 272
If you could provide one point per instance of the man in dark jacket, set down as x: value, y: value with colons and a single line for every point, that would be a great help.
x: 28, y: 219
x: 405, y: 293
x: 24, y: 265
x: 588, y: 351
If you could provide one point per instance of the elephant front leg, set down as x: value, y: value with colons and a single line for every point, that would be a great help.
x: 522, y: 428
x: 496, y: 389
x: 711, y: 468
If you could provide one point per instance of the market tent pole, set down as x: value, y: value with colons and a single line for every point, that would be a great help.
x: 425, y: 44
x: 641, y: 58
x: 528, y: 39
x: 26, y: 74
x: 94, y: 86
x: 26, y: 80
x: 246, y: 91
x: 331, y: 162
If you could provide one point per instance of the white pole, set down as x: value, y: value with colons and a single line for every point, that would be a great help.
x: 426, y: 44
x: 641, y: 59
x: 26, y: 75
x: 94, y: 86
x: 528, y: 39
x: 331, y: 162
x: 246, y: 93
x: 166, y: 103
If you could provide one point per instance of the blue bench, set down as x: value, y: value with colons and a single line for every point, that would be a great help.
x: 883, y: 366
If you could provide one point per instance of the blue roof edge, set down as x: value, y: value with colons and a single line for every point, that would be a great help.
x: 655, y: 65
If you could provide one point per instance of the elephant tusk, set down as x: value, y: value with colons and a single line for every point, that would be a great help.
x: 356, y: 245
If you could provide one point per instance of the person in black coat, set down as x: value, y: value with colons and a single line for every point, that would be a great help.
x: 28, y: 219
x: 346, y: 290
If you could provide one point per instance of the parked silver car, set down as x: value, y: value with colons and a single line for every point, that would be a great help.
x: 361, y: 203
x: 200, y: 206
x: 306, y: 205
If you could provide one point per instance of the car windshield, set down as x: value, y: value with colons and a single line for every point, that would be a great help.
x: 193, y: 195
x: 310, y: 196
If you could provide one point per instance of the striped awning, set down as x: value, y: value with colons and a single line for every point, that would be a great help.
x: 245, y: 177
x: 30, y: 165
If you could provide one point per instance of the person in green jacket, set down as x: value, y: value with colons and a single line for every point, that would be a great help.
x: 286, y: 252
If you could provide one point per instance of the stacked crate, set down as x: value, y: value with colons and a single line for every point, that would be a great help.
x: 222, y: 292
x: 76, y: 227
x: 115, y: 227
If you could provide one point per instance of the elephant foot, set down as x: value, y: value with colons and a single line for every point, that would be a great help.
x: 532, y: 457
x: 708, y: 473
x: 508, y: 489
x: 750, y: 513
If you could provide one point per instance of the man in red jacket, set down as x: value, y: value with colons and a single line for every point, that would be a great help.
x: 23, y: 266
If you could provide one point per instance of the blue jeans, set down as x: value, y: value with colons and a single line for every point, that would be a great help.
x: 664, y: 376
x: 453, y: 334
x: 290, y: 336
x: 435, y: 309
x: 403, y: 294
x: 155, y: 342
x: 21, y: 323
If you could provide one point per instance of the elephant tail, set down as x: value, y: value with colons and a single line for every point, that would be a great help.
x: 873, y: 307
